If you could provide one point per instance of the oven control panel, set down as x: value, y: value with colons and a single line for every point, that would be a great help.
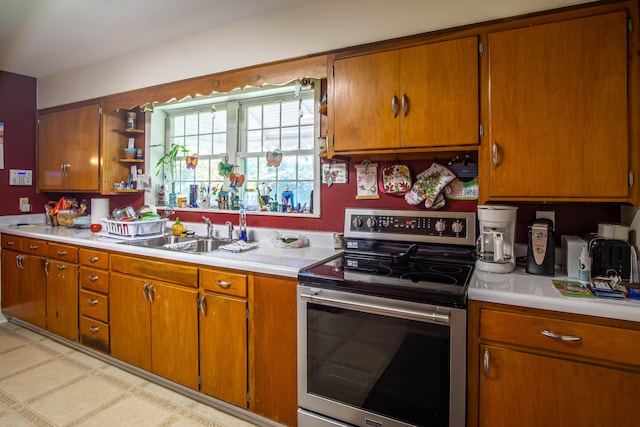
x: 415, y: 226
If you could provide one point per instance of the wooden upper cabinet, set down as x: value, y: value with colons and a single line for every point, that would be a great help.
x: 68, y: 147
x: 413, y: 98
x: 558, y: 109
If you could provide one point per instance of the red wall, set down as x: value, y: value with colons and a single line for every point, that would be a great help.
x: 18, y: 112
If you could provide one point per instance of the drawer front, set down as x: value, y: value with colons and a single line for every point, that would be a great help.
x: 94, y: 334
x: 174, y: 272
x: 11, y: 242
x: 224, y: 282
x: 94, y: 305
x: 33, y: 246
x: 62, y: 252
x: 595, y: 341
x: 94, y: 258
x: 94, y: 279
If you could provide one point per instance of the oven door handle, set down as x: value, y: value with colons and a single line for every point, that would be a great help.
x: 377, y: 309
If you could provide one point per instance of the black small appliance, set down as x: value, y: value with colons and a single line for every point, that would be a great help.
x: 541, y: 258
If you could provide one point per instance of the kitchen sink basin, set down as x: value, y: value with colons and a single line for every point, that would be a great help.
x: 195, y: 244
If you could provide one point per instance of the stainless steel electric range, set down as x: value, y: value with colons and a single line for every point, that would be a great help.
x: 382, y: 328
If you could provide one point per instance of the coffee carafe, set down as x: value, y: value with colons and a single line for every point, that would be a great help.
x: 495, y: 244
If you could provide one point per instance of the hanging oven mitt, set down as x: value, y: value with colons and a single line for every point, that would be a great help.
x: 429, y: 184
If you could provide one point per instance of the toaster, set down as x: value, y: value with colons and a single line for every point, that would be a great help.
x: 611, y: 257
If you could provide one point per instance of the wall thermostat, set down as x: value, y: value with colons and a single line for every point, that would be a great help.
x: 20, y: 177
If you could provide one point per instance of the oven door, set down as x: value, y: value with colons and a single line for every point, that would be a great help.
x: 365, y: 360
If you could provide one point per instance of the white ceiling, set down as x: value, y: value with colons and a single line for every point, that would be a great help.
x: 42, y: 37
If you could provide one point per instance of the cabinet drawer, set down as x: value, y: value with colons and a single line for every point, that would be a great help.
x: 33, y: 246
x: 94, y: 258
x: 94, y: 305
x: 94, y: 333
x: 597, y: 341
x: 224, y: 282
x: 11, y: 242
x: 94, y: 279
x: 62, y: 252
x: 186, y: 275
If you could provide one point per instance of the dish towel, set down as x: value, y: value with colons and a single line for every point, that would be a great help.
x: 239, y: 246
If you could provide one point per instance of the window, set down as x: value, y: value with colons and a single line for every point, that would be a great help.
x: 265, y: 139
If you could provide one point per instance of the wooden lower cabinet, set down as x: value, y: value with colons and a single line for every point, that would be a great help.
x: 94, y: 299
x: 23, y: 279
x: 519, y: 376
x: 273, y: 320
x: 223, y: 335
x: 154, y: 324
x: 62, y: 299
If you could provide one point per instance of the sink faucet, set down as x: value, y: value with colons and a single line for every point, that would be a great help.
x: 209, y: 226
x: 230, y: 228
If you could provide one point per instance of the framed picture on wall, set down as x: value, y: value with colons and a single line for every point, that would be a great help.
x: 367, y: 181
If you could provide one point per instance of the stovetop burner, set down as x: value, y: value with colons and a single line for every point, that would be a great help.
x: 399, y: 255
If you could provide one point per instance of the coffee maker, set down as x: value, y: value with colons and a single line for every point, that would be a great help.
x: 495, y: 244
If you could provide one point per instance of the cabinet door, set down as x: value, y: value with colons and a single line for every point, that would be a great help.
x: 273, y: 321
x: 129, y: 318
x: 69, y: 137
x: 62, y: 299
x: 10, y: 288
x: 364, y: 89
x: 223, y: 348
x: 439, y: 93
x: 525, y: 389
x: 33, y: 291
x: 174, y: 333
x: 558, y: 109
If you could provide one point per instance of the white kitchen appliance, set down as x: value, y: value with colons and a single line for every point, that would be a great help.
x: 495, y: 244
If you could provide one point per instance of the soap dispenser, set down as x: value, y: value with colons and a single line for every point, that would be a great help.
x: 584, y: 266
x: 177, y: 228
x: 243, y: 225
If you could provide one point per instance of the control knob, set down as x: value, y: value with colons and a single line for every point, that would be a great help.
x: 440, y: 226
x: 457, y: 227
x: 371, y: 222
x: 357, y: 222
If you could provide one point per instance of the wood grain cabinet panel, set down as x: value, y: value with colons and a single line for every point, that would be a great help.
x: 68, y: 149
x: 559, y: 110
x: 417, y: 97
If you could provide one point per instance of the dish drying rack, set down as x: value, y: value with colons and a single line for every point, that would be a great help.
x: 134, y: 229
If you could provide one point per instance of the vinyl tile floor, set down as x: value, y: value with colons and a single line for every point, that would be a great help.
x: 45, y: 383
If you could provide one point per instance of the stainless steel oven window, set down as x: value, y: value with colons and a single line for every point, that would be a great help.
x: 364, y: 359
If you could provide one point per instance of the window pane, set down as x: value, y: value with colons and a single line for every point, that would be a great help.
x: 306, y: 167
x: 306, y: 138
x: 251, y: 169
x: 254, y: 117
x: 220, y: 121
x: 205, y: 145
x: 220, y: 143
x: 267, y: 173
x: 290, y: 138
x: 191, y: 124
x: 307, y: 112
x: 254, y: 141
x: 290, y: 112
x: 177, y: 126
x: 272, y: 115
x: 287, y: 169
x: 191, y: 144
x: 271, y: 140
x: 206, y: 123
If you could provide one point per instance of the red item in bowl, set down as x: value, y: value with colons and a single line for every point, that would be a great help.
x: 95, y: 228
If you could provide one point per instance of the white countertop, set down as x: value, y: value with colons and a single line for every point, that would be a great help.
x: 266, y: 258
x: 528, y: 290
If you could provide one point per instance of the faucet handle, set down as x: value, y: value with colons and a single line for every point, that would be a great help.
x: 207, y: 220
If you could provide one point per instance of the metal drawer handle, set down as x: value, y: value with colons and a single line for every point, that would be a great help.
x: 10, y: 243
x: 555, y: 336
x: 62, y: 253
x: 202, y: 305
x: 405, y: 105
x: 495, y: 154
x: 61, y: 266
x: 33, y: 247
x: 92, y: 301
x: 394, y: 106
x: 93, y: 278
x: 223, y: 284
x: 486, y: 362
x: 94, y: 329
x: 93, y: 259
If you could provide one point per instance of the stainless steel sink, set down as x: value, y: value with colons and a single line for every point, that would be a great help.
x: 194, y: 244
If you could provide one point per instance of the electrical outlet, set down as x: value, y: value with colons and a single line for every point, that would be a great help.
x: 547, y: 214
x: 24, y: 201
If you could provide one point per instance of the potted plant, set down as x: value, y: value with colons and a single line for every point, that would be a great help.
x: 168, y: 160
